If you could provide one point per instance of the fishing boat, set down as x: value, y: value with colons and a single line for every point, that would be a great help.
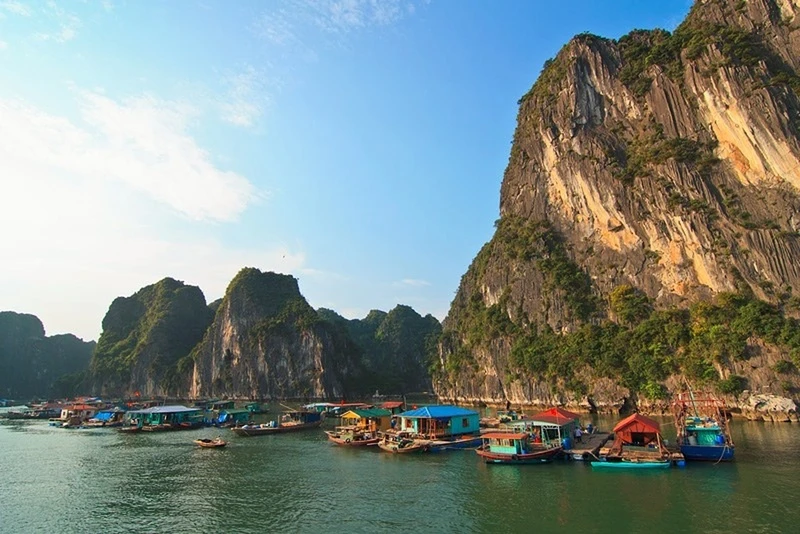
x: 637, y: 445
x: 515, y: 448
x: 703, y: 431
x: 401, y: 443
x: 352, y: 436
x: 211, y: 443
x: 288, y: 422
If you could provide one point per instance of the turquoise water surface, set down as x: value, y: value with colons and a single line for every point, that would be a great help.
x: 98, y: 480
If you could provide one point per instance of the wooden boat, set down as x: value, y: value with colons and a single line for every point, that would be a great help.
x: 402, y: 443
x: 515, y: 448
x: 289, y: 422
x: 631, y: 463
x: 352, y: 436
x: 211, y: 443
x: 637, y: 445
x: 703, y: 432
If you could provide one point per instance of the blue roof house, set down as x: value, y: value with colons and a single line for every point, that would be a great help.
x: 441, y: 421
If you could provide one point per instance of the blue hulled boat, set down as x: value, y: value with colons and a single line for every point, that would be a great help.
x: 703, y: 432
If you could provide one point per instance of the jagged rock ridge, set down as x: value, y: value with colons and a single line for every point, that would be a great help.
x: 662, y: 166
x: 145, y: 335
x: 395, y: 347
x: 266, y: 341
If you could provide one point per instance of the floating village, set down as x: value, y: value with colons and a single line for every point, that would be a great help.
x: 508, y: 437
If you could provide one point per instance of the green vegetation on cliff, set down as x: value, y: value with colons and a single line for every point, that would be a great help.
x: 149, y: 331
x: 396, y: 346
x: 646, y: 346
x: 32, y: 365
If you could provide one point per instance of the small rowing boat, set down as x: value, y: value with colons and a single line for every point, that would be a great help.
x: 211, y: 443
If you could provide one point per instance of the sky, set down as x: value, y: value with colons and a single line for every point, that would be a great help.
x: 358, y: 145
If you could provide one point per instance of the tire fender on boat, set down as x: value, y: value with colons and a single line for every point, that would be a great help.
x: 394, y: 448
x: 426, y: 448
x: 514, y: 457
x: 347, y: 440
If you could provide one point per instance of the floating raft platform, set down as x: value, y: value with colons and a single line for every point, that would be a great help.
x: 589, y: 447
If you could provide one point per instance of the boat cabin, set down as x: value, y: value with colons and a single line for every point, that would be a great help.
x: 507, y: 442
x: 83, y: 411
x: 109, y: 417
x: 440, y: 421
x: 222, y: 405
x: 256, y: 407
x: 551, y: 427
x: 233, y: 417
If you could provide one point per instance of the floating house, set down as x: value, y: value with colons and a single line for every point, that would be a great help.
x: 368, y: 420
x: 166, y: 416
x: 439, y: 422
x: 637, y: 444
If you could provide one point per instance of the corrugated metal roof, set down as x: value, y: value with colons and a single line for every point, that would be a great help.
x: 166, y: 409
x: 438, y: 411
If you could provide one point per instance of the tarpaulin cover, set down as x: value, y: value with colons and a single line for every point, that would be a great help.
x: 556, y: 415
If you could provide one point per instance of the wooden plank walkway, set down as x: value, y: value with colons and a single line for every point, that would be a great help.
x: 589, y: 447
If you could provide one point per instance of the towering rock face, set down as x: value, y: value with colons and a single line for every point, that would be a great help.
x: 145, y: 335
x: 30, y: 362
x: 395, y: 346
x: 660, y: 168
x: 266, y: 341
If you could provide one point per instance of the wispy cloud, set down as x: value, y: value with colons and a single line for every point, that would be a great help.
x: 17, y: 8
x: 67, y: 24
x: 81, y: 231
x: 412, y: 282
x: 294, y: 23
x: 140, y: 142
x: 3, y: 46
x: 246, y: 97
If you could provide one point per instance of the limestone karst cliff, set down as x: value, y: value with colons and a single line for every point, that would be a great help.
x: 145, y: 335
x: 32, y: 364
x: 266, y: 341
x: 649, y: 177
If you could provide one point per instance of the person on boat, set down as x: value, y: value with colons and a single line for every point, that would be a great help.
x: 578, y: 434
x: 589, y: 428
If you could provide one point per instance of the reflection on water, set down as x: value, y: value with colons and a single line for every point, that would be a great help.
x: 99, y: 480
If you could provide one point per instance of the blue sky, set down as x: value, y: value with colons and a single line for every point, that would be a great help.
x: 356, y: 144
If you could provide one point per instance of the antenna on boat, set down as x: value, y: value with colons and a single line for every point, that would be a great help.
x: 691, y: 397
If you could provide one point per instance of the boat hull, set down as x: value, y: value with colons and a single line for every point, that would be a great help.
x: 263, y: 431
x: 401, y: 448
x: 347, y: 442
x: 707, y: 453
x: 211, y: 444
x: 631, y: 465
x: 471, y: 442
x: 538, y: 457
